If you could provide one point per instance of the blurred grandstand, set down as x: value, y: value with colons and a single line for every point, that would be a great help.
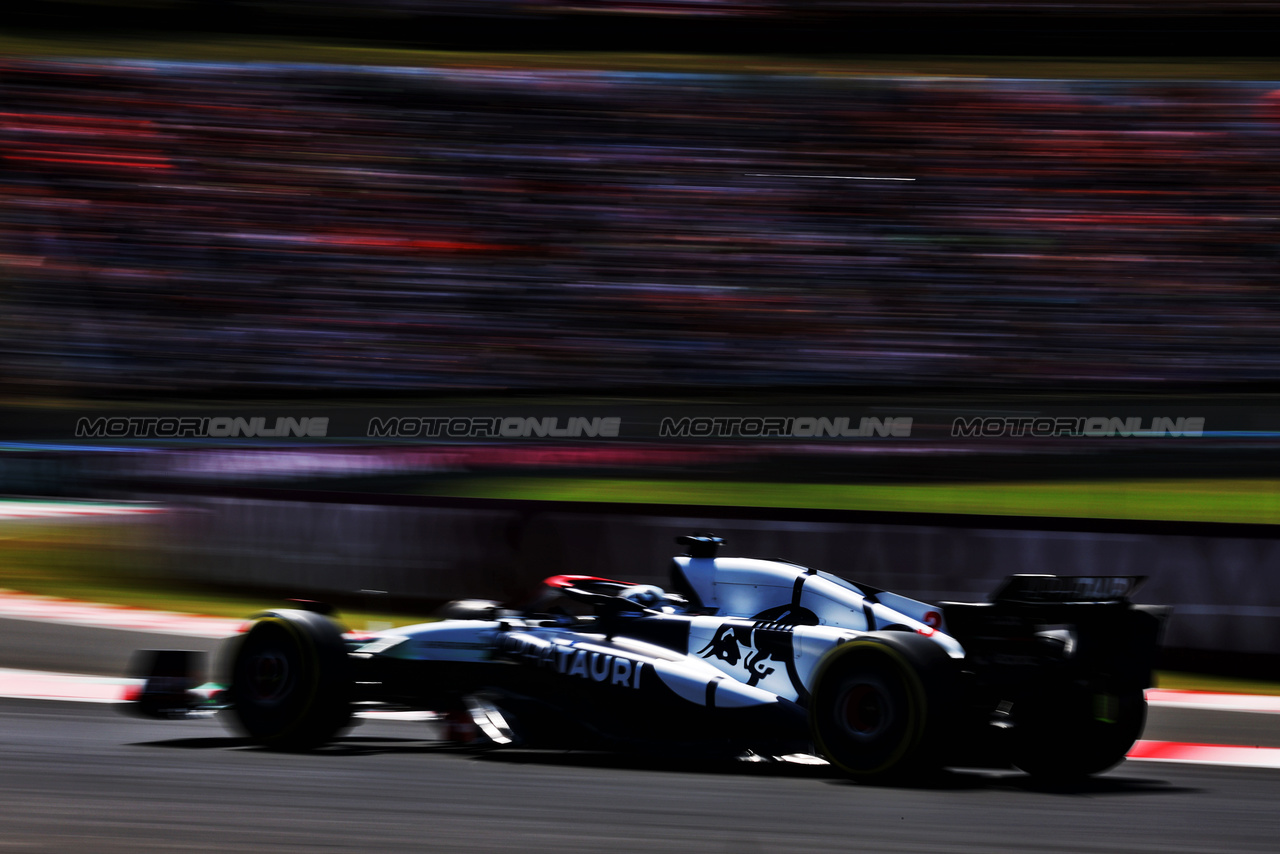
x: 469, y: 232
x: 198, y: 227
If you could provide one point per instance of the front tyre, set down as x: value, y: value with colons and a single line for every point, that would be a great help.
x: 880, y: 706
x: 290, y: 682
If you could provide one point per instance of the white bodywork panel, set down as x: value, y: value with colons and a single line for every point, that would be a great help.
x: 748, y: 587
x: 757, y: 645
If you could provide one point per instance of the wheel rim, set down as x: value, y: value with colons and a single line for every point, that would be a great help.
x: 270, y: 677
x: 866, y: 710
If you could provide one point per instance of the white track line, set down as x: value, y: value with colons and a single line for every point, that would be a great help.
x: 1214, y: 702
x: 1206, y: 754
x: 62, y: 509
x: 50, y: 609
x: 40, y: 685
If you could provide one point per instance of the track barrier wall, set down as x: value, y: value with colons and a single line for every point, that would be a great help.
x: 1225, y: 589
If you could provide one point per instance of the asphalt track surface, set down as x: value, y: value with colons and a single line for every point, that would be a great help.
x: 35, y: 645
x: 78, y: 776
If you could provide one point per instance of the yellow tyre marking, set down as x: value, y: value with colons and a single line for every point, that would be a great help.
x: 916, y: 710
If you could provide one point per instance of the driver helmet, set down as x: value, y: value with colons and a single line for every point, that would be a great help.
x: 647, y: 596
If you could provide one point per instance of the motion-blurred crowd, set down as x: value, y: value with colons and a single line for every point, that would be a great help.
x: 169, y: 226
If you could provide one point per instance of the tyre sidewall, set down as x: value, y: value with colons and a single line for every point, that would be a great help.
x: 901, y: 684
x: 289, y: 681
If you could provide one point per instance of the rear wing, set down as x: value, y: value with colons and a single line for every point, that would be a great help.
x: 1085, y: 623
x: 1057, y: 589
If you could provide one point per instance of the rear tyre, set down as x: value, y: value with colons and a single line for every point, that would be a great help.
x: 1069, y: 734
x: 880, y: 706
x: 290, y: 682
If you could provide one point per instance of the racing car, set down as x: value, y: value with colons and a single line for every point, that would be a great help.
x: 738, y: 656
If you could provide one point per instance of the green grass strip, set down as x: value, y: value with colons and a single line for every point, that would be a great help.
x: 203, y: 603
x: 119, y: 563
x: 1225, y: 500
x: 1221, y: 684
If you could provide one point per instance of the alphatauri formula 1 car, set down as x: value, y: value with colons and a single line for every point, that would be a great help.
x: 739, y: 656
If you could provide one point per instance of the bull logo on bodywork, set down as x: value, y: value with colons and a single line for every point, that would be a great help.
x: 753, y: 646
